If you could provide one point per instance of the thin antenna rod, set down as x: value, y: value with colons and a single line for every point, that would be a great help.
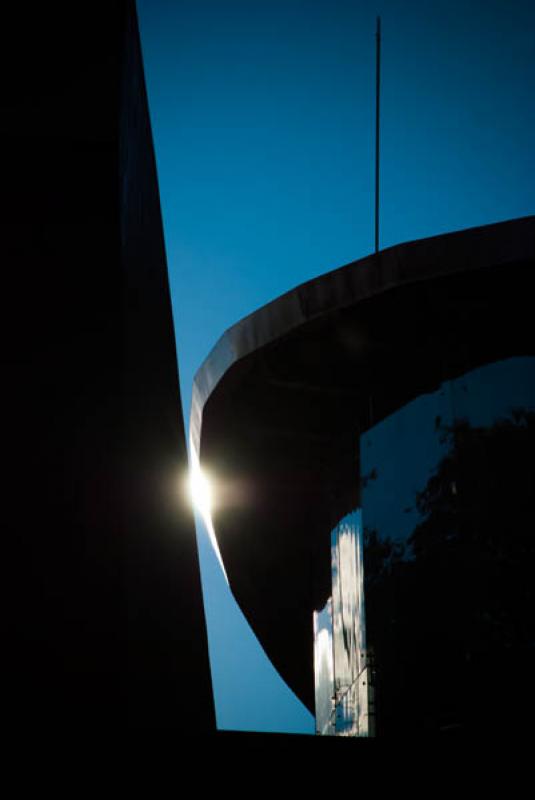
x: 377, y: 97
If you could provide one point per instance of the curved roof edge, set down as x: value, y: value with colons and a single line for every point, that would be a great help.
x: 469, y: 249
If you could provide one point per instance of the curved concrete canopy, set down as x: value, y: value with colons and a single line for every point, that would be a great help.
x: 279, y: 404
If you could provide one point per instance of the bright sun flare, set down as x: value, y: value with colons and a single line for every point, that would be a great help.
x: 200, y: 491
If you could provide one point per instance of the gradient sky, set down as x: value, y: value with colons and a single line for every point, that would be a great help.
x: 263, y: 122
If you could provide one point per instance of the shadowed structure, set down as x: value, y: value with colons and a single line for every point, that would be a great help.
x: 107, y: 603
x: 281, y: 403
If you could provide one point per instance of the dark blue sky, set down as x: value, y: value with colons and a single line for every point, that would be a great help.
x: 263, y: 117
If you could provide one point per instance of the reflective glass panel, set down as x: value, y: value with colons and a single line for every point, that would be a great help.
x: 447, y: 501
x: 342, y: 683
x: 324, y: 670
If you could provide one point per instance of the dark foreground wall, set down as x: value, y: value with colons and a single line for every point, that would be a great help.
x: 104, y: 593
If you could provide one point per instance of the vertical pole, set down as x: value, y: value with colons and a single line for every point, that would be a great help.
x: 377, y: 97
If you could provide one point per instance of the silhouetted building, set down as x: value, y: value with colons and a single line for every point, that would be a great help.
x: 371, y: 435
x: 106, y: 596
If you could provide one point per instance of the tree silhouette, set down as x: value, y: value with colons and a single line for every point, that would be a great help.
x: 450, y: 613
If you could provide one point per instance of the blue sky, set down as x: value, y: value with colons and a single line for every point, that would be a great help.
x: 263, y: 122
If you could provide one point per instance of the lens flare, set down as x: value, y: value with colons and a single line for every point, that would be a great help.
x: 200, y: 491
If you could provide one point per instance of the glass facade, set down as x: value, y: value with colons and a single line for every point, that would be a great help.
x: 442, y: 551
x: 343, y: 700
x: 324, y: 670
